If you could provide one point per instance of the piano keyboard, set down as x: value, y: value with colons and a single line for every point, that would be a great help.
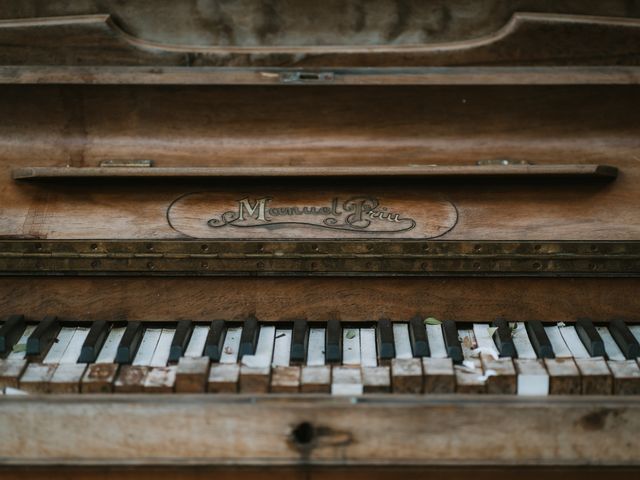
x: 414, y: 357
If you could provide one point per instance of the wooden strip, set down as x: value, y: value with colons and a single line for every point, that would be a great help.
x: 533, y: 379
x: 10, y: 372
x: 285, y: 379
x: 315, y: 355
x: 163, y: 348
x: 195, y: 347
x: 522, y: 342
x: 231, y: 345
x: 282, y: 348
x: 402, y: 341
x: 67, y: 377
x: 611, y: 348
x: 60, y: 344
x: 315, y: 379
x: 368, y: 353
x: 224, y: 377
x: 626, y: 377
x: 501, y: 375
x: 130, y: 379
x: 110, y: 347
x: 575, y: 345
x: 72, y: 352
x: 100, y: 377
x: 160, y: 379
x: 346, y: 381
x: 596, y: 377
x: 528, y: 434
x: 560, y: 349
x: 376, y: 379
x: 412, y: 171
x: 564, y: 376
x: 36, y: 377
x: 192, y: 373
x: 436, y: 341
x: 351, y: 346
x: 406, y: 374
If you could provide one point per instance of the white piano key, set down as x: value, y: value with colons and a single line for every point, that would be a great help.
x: 401, y: 340
x: 59, y: 345
x: 163, y: 348
x: 635, y: 331
x: 231, y: 345
x: 610, y: 345
x: 570, y: 337
x: 19, y: 350
x: 72, y: 352
x: 368, y: 353
x: 522, y: 342
x: 147, y: 347
x: 436, y: 341
x: 484, y: 340
x: 351, y: 346
x: 468, y: 342
x: 110, y: 348
x: 560, y: 349
x: 195, y: 347
x: 315, y: 355
x: 282, y: 348
x: 264, y: 349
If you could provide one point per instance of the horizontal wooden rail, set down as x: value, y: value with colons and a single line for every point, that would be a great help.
x: 581, y: 171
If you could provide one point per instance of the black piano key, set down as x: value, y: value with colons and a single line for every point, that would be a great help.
x: 249, y: 337
x: 129, y: 343
x: 215, y: 340
x: 503, y: 340
x: 386, y: 345
x: 590, y: 337
x: 539, y: 339
x: 180, y: 340
x: 333, y: 342
x: 10, y: 333
x: 299, y: 341
x: 418, y: 337
x: 452, y: 341
x: 94, y: 341
x: 624, y: 338
x: 43, y: 336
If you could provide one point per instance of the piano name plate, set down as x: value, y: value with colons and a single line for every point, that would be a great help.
x: 299, y: 216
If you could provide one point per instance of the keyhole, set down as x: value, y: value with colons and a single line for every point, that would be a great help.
x: 303, y: 434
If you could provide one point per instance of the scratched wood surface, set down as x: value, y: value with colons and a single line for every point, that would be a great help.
x: 417, y: 430
x: 321, y: 127
x: 317, y: 298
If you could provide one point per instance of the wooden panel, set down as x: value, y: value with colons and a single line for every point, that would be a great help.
x: 274, y: 299
x: 418, y: 430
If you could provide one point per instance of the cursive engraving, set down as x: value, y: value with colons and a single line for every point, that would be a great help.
x: 361, y: 213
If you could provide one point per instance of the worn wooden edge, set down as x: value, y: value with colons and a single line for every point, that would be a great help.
x: 562, y: 430
x: 585, y: 171
x: 117, y: 75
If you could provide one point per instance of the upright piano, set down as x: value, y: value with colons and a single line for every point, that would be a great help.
x: 264, y: 239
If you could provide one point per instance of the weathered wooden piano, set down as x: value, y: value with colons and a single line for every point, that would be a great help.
x: 268, y: 239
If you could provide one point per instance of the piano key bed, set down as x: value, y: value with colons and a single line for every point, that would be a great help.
x: 336, y: 358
